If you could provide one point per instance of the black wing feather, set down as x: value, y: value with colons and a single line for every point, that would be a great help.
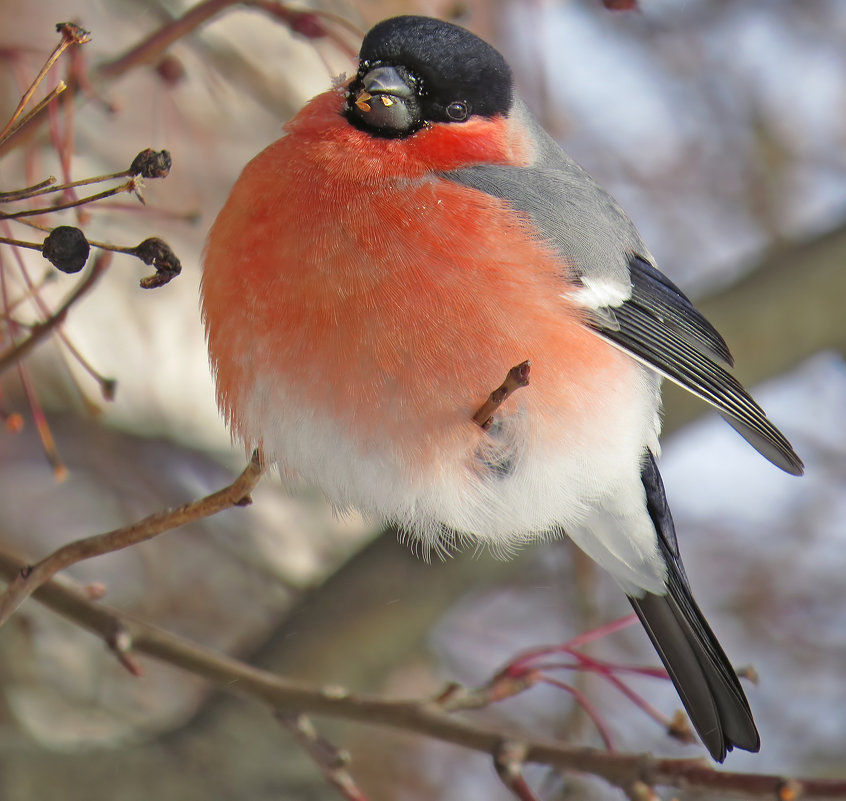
x: 657, y: 294
x: 698, y: 666
x: 642, y: 331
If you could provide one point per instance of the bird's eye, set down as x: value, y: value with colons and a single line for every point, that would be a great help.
x: 457, y: 111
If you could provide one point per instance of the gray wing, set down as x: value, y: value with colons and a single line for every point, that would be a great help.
x: 632, y: 304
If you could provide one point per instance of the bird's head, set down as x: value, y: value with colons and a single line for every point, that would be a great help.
x: 416, y: 71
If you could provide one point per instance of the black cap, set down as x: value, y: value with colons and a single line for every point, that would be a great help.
x: 448, y: 67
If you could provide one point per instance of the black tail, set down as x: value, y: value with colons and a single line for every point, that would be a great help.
x: 700, y: 670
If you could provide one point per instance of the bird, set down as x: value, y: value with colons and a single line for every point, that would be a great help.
x: 376, y: 272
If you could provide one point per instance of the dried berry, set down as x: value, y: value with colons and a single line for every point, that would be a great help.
x: 157, y: 252
x: 151, y: 163
x: 66, y: 248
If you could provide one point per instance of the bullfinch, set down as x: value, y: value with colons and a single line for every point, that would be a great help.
x: 376, y: 272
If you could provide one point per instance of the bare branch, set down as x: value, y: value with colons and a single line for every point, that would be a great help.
x: 148, y: 163
x: 305, y: 22
x: 423, y: 717
x: 27, y: 191
x: 37, y: 108
x: 30, y: 578
x: 71, y: 35
x: 132, y: 186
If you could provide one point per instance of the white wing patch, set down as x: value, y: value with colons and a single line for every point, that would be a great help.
x: 598, y: 293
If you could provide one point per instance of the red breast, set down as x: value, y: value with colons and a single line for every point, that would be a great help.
x: 387, y: 298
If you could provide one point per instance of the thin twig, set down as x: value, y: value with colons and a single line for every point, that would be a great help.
x: 40, y: 331
x: 152, y: 251
x: 508, y: 762
x: 530, y: 664
x: 331, y: 761
x: 71, y: 34
x: 132, y: 185
x: 522, y: 660
x: 590, y: 710
x: 17, y: 194
x: 503, y: 685
x: 586, y: 666
x: 107, y: 385
x: 20, y: 243
x: 45, y: 435
x: 151, y: 48
x: 49, y: 186
x: 31, y: 291
x: 518, y: 376
x: 305, y: 22
x: 422, y: 717
x: 31, y: 578
x: 45, y: 101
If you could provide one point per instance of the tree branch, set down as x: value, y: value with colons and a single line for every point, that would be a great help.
x: 424, y: 717
x: 30, y: 578
x: 236, y: 494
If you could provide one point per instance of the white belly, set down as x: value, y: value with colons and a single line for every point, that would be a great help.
x: 524, y: 482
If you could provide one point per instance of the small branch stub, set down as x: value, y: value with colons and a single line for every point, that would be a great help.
x: 518, y: 376
x: 331, y: 761
x: 679, y: 728
x: 640, y: 791
x: 789, y: 790
x: 120, y: 644
x: 509, y: 761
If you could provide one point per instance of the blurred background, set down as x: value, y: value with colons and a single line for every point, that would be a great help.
x: 720, y: 125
